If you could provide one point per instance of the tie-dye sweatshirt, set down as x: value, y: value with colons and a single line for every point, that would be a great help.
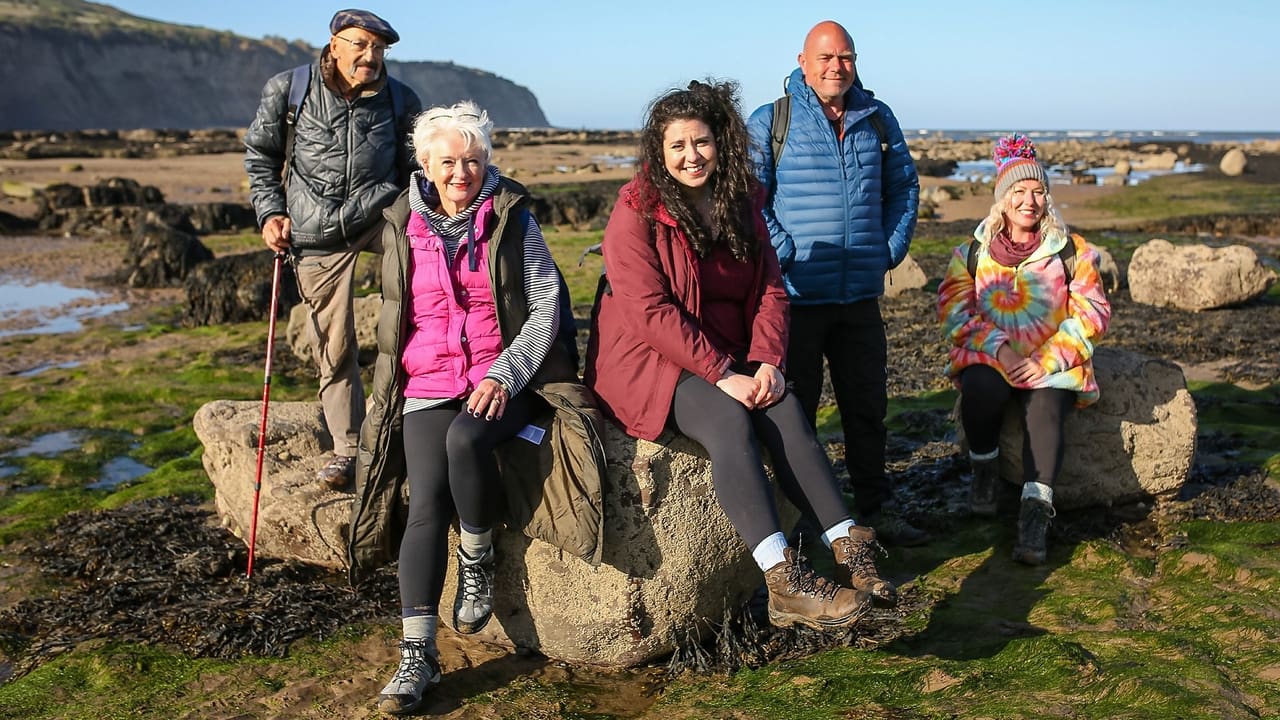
x: 1042, y: 314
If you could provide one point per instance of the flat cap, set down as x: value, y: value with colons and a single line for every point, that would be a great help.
x: 364, y: 20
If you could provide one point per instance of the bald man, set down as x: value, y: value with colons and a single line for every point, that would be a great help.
x: 842, y: 200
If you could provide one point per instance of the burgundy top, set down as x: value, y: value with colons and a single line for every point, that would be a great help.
x: 726, y: 284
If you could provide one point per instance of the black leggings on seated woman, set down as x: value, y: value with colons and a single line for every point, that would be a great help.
x: 983, y: 396
x: 732, y: 436
x: 449, y: 464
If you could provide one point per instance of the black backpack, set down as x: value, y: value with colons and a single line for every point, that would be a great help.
x: 782, y: 125
x: 1067, y: 255
x: 300, y: 83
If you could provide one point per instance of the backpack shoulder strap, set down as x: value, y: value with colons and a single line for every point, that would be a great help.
x: 781, y: 125
x: 396, y: 88
x: 973, y: 258
x: 1068, y: 256
x: 299, y: 83
x: 877, y: 124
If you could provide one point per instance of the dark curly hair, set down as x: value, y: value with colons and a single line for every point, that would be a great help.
x: 732, y: 187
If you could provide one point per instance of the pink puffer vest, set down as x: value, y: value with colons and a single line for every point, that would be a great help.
x: 453, y: 323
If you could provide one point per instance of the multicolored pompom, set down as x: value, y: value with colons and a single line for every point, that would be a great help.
x: 1013, y: 146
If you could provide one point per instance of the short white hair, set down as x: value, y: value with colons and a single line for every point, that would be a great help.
x: 465, y: 118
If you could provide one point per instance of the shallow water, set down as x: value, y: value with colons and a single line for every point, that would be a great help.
x: 48, y: 307
x: 117, y: 471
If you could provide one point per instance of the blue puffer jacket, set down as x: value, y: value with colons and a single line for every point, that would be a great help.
x: 840, y: 214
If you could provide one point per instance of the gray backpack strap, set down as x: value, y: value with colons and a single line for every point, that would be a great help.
x: 1067, y: 255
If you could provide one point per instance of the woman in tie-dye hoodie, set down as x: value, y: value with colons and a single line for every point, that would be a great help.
x: 1023, y: 304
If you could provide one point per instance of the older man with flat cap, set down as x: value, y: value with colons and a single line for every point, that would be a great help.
x: 326, y: 153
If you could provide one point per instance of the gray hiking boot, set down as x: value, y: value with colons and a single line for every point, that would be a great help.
x: 983, y: 487
x: 855, y: 557
x: 1033, y: 528
x: 800, y: 596
x: 419, y: 671
x: 473, y: 605
x: 893, y: 529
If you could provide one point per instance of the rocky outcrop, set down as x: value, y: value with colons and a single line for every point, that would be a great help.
x: 1136, y: 442
x: 90, y: 66
x: 237, y: 288
x: 1196, y: 277
x: 671, y: 559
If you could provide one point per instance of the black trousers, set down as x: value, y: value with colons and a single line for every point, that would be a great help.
x: 852, y: 340
x: 983, y: 396
x: 450, y: 467
x: 732, y: 436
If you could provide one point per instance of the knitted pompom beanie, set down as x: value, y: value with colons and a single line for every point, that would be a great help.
x: 1015, y: 157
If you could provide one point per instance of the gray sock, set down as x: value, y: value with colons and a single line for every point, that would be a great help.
x: 474, y: 545
x: 421, y: 629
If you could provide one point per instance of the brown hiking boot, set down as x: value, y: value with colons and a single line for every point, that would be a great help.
x: 856, y: 565
x: 338, y: 473
x: 798, y: 595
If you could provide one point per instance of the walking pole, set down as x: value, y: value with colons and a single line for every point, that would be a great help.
x: 266, y: 398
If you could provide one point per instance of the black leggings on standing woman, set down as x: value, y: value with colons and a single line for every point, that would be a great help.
x: 450, y: 465
x: 732, y: 436
x: 983, y: 396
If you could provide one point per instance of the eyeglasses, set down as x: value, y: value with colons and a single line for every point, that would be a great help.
x: 361, y: 45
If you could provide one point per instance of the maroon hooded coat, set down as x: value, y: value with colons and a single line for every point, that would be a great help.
x: 647, y: 329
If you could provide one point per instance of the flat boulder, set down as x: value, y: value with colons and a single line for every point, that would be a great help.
x: 1196, y: 277
x: 907, y: 276
x: 671, y: 559
x: 1137, y: 442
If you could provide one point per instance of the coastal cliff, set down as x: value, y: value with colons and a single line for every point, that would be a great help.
x: 77, y: 65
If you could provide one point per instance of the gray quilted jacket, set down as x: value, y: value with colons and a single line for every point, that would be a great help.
x: 344, y: 166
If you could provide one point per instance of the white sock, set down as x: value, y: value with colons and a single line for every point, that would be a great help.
x: 770, y: 551
x: 420, y: 629
x: 839, y: 530
x: 474, y: 545
x: 979, y: 457
x: 1038, y: 491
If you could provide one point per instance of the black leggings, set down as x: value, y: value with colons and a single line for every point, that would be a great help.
x: 450, y: 465
x: 732, y: 436
x: 983, y: 395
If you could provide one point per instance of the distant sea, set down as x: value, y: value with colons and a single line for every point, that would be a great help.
x: 1137, y: 136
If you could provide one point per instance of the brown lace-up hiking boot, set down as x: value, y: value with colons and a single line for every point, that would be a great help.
x: 798, y: 595
x: 856, y: 565
x: 982, y: 489
x: 1033, y: 526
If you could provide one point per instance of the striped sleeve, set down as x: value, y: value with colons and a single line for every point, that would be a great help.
x: 518, y: 363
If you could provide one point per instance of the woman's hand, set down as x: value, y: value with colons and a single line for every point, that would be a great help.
x: 771, y: 385
x: 740, y: 387
x: 1019, y: 369
x: 489, y: 400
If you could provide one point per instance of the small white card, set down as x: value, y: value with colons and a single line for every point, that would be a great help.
x: 532, y: 433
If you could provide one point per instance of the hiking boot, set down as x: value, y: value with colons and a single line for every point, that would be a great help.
x: 419, y: 671
x: 473, y: 605
x: 340, y: 471
x: 893, y: 529
x: 1033, y: 526
x: 856, y: 565
x: 982, y: 489
x: 798, y: 595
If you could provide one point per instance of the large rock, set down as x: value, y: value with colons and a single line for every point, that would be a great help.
x: 160, y: 255
x: 671, y: 558
x: 1196, y: 277
x: 237, y: 288
x: 907, y: 276
x: 298, y: 518
x: 1233, y: 163
x: 1138, y: 441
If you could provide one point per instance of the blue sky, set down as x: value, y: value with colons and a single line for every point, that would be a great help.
x: 1086, y: 64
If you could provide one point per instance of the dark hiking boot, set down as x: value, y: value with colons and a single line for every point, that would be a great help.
x: 983, y: 487
x: 339, y: 473
x: 419, y: 671
x: 893, y: 529
x: 473, y: 605
x: 798, y: 595
x: 1033, y: 527
x: 856, y: 565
